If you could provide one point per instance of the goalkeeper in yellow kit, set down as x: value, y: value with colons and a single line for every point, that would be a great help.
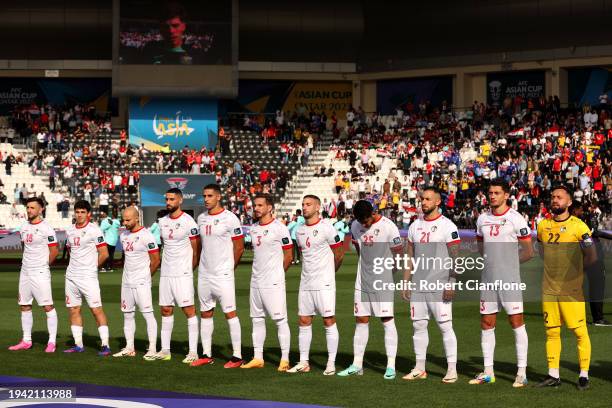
x: 566, y: 245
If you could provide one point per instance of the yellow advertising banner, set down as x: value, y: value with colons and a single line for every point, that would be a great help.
x: 328, y: 97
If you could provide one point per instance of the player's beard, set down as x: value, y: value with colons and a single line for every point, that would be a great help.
x: 171, y: 209
x: 428, y: 211
x: 558, y: 210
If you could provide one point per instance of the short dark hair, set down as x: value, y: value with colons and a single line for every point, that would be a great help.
x: 434, y: 189
x: 266, y: 197
x: 36, y: 200
x: 500, y: 182
x: 564, y: 188
x: 82, y: 205
x: 212, y: 186
x: 312, y: 196
x: 362, y: 209
x: 176, y: 191
x: 172, y: 9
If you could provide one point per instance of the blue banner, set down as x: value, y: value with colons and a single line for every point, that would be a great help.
x: 392, y: 93
x: 154, y: 186
x: 585, y: 85
x: 56, y: 91
x: 173, y: 123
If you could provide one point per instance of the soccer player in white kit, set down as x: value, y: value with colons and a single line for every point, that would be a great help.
x: 272, y: 256
x: 432, y: 237
x: 222, y: 246
x: 322, y: 255
x: 88, y: 252
x: 141, y: 260
x: 39, y: 252
x: 374, y: 236
x: 504, y: 240
x: 180, y: 256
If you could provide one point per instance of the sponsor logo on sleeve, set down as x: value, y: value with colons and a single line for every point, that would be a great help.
x: 337, y: 238
x: 237, y: 231
x: 151, y: 245
x: 455, y: 235
x: 51, y: 238
x: 285, y: 241
x: 524, y: 232
x: 397, y: 240
x: 194, y: 231
x: 100, y: 239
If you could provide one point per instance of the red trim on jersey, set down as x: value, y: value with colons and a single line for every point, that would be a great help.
x: 174, y: 218
x: 379, y: 218
x: 267, y: 223
x: 312, y: 225
x: 133, y: 232
x: 526, y: 237
x: 193, y: 237
x: 220, y: 212
x: 433, y: 219
x: 52, y: 244
x: 34, y: 223
x: 289, y: 246
x: 101, y: 245
x: 84, y: 225
x: 152, y: 251
x: 455, y: 242
x: 499, y: 215
x: 336, y: 245
x: 237, y: 237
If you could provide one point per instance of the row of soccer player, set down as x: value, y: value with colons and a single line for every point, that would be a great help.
x: 215, y: 245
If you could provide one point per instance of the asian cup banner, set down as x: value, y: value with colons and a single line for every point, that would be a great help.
x: 163, y: 124
x: 154, y: 186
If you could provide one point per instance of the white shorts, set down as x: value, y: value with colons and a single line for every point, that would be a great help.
x: 176, y: 291
x: 424, y: 305
x: 268, y: 301
x: 136, y: 296
x: 77, y: 288
x: 35, y: 287
x: 317, y: 302
x: 210, y: 292
x: 493, y: 301
x: 370, y: 304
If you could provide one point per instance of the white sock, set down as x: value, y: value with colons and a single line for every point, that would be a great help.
x: 235, y: 336
x: 450, y: 344
x: 284, y: 337
x: 77, y: 334
x: 52, y: 325
x: 207, y: 325
x: 166, y: 332
x: 487, y: 342
x: 103, y: 331
x: 521, y: 340
x: 333, y: 337
x: 360, y: 341
x: 420, y: 340
x: 584, y: 373
x: 192, y: 330
x: 129, y: 329
x: 304, y: 340
x: 553, y: 372
x: 390, y: 342
x: 27, y: 321
x: 259, y: 336
x: 151, y: 329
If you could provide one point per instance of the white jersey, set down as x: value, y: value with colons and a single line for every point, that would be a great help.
x: 176, y: 234
x: 375, y: 242
x: 430, y: 240
x: 218, y: 231
x: 84, y: 243
x: 136, y: 247
x: 500, y: 234
x: 318, y: 267
x: 36, y: 238
x: 269, y: 241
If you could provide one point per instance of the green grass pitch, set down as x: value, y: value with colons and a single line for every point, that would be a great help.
x: 267, y: 384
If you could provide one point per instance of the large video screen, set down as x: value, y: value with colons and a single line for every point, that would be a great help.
x: 175, y: 48
x: 172, y: 32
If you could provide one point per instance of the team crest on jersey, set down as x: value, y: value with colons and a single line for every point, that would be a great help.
x: 265, y: 232
x: 215, y: 222
x: 315, y: 233
x: 563, y: 229
x: 434, y: 228
x: 376, y: 231
x: 178, y: 226
x: 503, y: 221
